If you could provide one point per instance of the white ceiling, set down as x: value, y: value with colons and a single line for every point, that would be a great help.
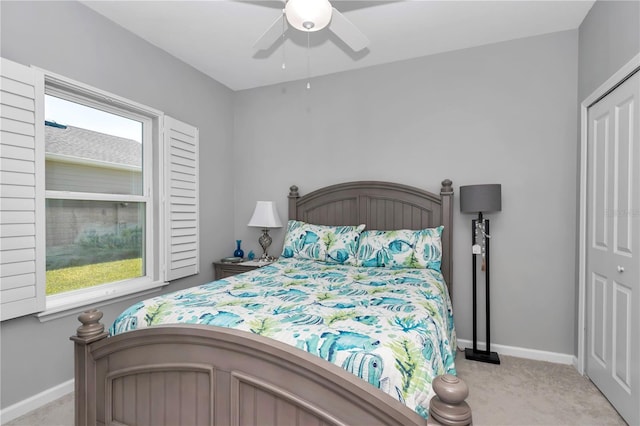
x: 217, y: 36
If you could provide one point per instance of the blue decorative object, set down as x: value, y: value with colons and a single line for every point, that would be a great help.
x: 238, y: 252
x: 251, y: 255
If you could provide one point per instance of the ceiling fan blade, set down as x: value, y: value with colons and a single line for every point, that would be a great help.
x: 347, y: 32
x: 270, y: 36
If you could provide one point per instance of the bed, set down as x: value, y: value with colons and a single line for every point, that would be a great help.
x: 263, y: 360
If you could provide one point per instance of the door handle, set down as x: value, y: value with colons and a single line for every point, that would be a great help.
x: 620, y: 269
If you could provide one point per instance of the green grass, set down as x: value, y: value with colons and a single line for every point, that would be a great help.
x: 77, y: 277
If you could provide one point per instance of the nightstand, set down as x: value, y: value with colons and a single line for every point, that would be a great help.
x: 228, y: 269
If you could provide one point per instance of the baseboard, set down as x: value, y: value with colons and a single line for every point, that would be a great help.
x: 575, y: 363
x: 534, y: 354
x: 32, y: 403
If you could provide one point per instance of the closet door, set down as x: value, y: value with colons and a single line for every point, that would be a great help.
x: 613, y: 246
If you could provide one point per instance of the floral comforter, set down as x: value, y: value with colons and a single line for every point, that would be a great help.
x: 391, y: 327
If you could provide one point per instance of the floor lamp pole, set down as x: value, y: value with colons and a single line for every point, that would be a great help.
x: 481, y: 225
x: 487, y: 298
x: 474, y: 233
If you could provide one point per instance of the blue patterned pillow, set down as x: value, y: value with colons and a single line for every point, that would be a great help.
x: 403, y: 248
x: 387, y: 249
x: 428, y: 248
x: 331, y: 244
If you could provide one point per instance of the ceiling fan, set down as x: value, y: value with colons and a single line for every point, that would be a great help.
x: 310, y: 16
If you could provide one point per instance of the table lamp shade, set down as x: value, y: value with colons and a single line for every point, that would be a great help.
x: 265, y: 215
x: 481, y: 198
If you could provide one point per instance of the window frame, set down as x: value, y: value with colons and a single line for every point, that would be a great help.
x: 175, y: 197
x: 152, y: 175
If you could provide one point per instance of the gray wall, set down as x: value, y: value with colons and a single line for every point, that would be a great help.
x: 70, y: 39
x: 609, y: 37
x: 504, y: 113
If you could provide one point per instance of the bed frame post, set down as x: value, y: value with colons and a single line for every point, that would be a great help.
x: 446, y: 193
x: 90, y: 331
x: 293, y: 199
x: 448, y: 407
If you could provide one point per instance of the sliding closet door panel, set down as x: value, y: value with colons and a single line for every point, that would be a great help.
x: 613, y: 241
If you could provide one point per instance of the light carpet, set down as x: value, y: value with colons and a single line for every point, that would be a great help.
x: 523, y: 392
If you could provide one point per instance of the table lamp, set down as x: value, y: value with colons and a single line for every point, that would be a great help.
x: 265, y: 216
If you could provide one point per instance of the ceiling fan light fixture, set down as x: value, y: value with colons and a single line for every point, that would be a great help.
x: 308, y: 15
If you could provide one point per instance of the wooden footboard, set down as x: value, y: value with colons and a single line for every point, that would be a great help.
x: 203, y: 375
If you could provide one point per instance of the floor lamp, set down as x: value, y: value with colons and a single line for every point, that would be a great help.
x: 481, y: 199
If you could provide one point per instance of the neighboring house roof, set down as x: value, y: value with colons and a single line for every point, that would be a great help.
x: 86, y: 144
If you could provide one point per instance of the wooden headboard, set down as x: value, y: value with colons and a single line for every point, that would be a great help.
x: 380, y: 205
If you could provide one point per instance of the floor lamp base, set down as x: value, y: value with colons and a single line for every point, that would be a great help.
x: 482, y: 356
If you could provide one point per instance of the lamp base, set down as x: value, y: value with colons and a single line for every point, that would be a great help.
x: 265, y: 242
x: 482, y: 356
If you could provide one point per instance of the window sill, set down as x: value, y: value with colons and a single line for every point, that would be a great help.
x: 62, y: 306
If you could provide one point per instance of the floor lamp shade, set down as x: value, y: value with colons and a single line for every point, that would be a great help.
x: 481, y: 198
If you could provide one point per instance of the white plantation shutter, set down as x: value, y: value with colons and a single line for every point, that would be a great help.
x: 181, y: 199
x: 22, y: 229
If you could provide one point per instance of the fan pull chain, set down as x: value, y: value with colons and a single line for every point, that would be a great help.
x: 308, y: 62
x: 284, y: 24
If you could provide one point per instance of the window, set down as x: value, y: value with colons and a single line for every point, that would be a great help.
x: 99, y: 195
